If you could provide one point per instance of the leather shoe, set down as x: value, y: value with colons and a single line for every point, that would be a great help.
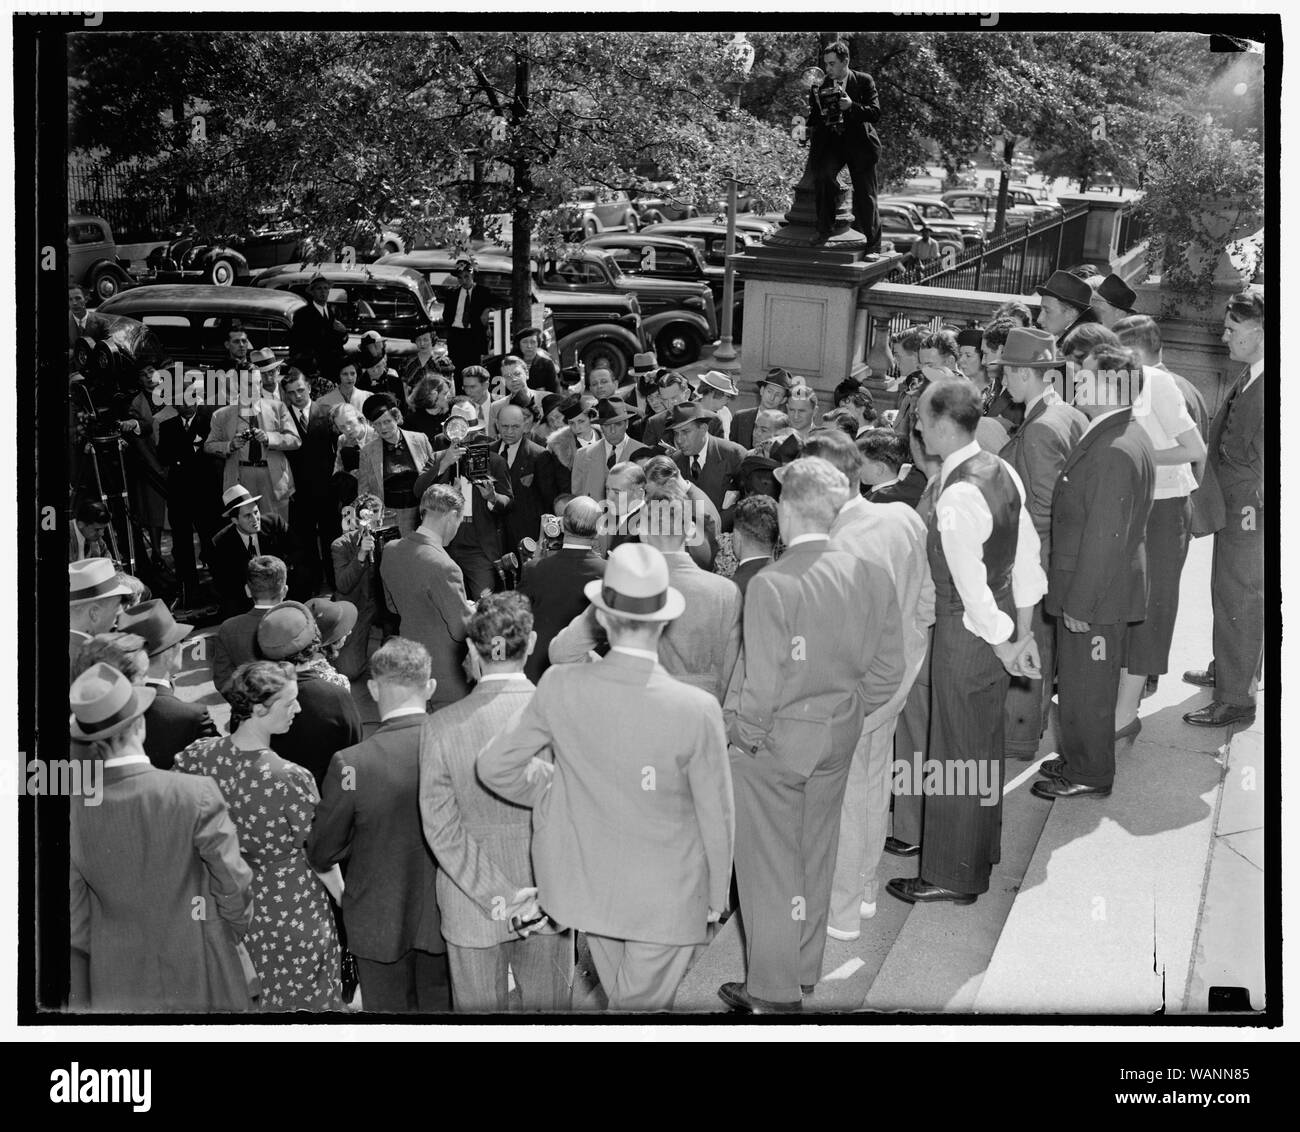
x: 1130, y: 730
x: 807, y: 988
x: 739, y: 999
x: 1201, y: 677
x: 1053, y: 788
x: 900, y: 848
x: 1218, y: 714
x: 917, y: 890
x: 1052, y: 768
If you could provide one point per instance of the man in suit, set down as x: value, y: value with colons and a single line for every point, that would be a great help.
x: 591, y: 464
x: 556, y: 585
x: 700, y: 648
x: 624, y: 501
x: 82, y: 323
x: 706, y: 461
x: 368, y: 816
x: 96, y: 594
x: 532, y: 477
x: 486, y: 888
x: 887, y: 468
x: 248, y: 534
x: 1097, y: 577
x: 514, y: 390
x: 841, y: 112
x: 983, y: 555
x: 317, y: 338
x: 1112, y: 299
x: 773, y: 393
x: 192, y: 480
x: 466, y: 310
x: 634, y: 819
x: 715, y: 391
x: 171, y: 725
x: 1234, y: 510
x: 889, y: 538
x: 425, y: 587
x: 295, y: 391
x: 674, y: 390
x: 1037, y: 452
x: 1067, y: 303
x: 753, y: 536
x: 235, y: 642
x: 794, y: 712
x: 645, y: 381
x: 253, y: 440
x: 160, y: 898
x: 86, y: 532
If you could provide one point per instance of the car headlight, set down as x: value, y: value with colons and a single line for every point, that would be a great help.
x: 695, y: 302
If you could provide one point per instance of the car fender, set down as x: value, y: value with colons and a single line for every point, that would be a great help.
x: 570, y: 344
x: 222, y: 251
x: 112, y: 265
x: 652, y: 324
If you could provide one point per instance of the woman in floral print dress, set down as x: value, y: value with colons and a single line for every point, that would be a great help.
x: 292, y: 940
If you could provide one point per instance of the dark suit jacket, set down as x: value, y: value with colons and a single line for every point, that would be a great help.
x: 532, y: 482
x: 483, y: 530
x: 718, y: 474
x: 1234, y: 473
x: 327, y: 723
x: 369, y: 816
x: 234, y: 643
x: 229, y: 563
x: 907, y: 490
x: 480, y: 300
x: 543, y: 374
x: 1038, y: 452
x: 858, y: 130
x: 314, y: 345
x: 655, y: 430
x: 1099, y: 520
x: 746, y: 570
x: 554, y: 586
x: 171, y: 725
x: 742, y: 427
x: 94, y: 328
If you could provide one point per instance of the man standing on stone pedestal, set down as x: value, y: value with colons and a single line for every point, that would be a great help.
x: 842, y: 135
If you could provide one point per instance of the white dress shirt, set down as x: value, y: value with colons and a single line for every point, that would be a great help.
x: 965, y: 524
x: 806, y: 538
x: 644, y: 654
x: 397, y: 713
x: 462, y: 301
x: 125, y: 760
x: 1256, y: 368
x: 1161, y: 410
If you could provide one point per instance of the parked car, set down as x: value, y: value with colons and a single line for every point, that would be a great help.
x: 591, y: 210
x: 678, y: 316
x: 190, y: 321
x: 658, y: 205
x: 668, y: 257
x: 591, y: 328
x: 938, y: 215
x: 981, y: 206
x: 396, y: 302
x: 1029, y: 197
x: 189, y: 258
x: 709, y: 237
x: 93, y: 261
x: 269, y: 245
x: 945, y: 233
x: 901, y: 225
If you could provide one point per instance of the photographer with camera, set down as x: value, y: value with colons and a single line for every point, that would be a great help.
x: 842, y: 109
x: 355, y: 555
x: 466, y: 462
x: 392, y: 461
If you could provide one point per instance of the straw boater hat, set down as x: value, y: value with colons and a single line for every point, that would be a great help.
x: 104, y: 702
x: 719, y: 381
x: 635, y: 585
x: 264, y: 361
x: 235, y: 497
x: 153, y: 621
x: 93, y: 578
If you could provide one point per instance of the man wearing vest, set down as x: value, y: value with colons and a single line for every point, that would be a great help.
x: 983, y: 554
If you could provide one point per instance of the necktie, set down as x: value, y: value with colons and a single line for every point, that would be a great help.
x: 613, y: 458
x: 695, y: 467
x: 252, y: 546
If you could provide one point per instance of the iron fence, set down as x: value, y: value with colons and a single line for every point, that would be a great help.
x: 136, y: 205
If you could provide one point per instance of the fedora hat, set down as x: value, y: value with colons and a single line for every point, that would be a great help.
x: 264, y: 360
x: 153, y: 621
x: 286, y: 629
x: 577, y: 405
x: 89, y: 579
x: 610, y: 409
x: 551, y: 402
x: 636, y: 586
x: 1118, y: 293
x: 103, y: 702
x: 462, y: 412
x: 334, y: 619
x: 778, y: 377
x: 690, y: 412
x: 715, y: 379
x: 235, y: 497
x: 1068, y: 288
x: 1030, y: 347
x: 644, y: 363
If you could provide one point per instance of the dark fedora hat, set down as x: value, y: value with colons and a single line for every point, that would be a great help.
x: 1030, y: 347
x: 1068, y: 288
x: 778, y: 377
x: 153, y: 621
x: 610, y: 409
x: 1118, y: 293
x: 688, y: 413
x: 971, y: 336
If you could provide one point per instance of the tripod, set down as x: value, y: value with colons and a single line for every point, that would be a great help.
x: 91, y: 484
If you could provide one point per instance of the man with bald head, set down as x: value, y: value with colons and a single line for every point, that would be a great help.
x: 554, y: 585
x: 532, y: 477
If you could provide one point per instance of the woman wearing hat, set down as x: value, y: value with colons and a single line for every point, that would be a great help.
x: 579, y: 431
x: 428, y: 404
x: 552, y: 418
x: 139, y: 859
x: 424, y: 362
x: 336, y: 621
x: 376, y: 375
x: 356, y: 583
x: 390, y: 464
x: 291, y: 940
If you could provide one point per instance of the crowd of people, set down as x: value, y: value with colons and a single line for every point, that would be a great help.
x: 626, y: 644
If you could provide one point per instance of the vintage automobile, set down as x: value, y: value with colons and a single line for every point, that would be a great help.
x: 938, y: 217
x: 588, y: 328
x: 901, y: 225
x: 981, y: 207
x: 188, y: 258
x: 591, y: 210
x: 395, y: 302
x: 709, y: 235
x: 668, y: 257
x: 93, y: 261
x: 658, y: 204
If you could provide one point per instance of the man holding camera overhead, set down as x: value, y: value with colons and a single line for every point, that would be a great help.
x: 466, y: 462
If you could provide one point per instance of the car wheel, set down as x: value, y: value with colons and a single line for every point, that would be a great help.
x: 604, y: 353
x: 677, y: 345
x: 630, y: 221
x: 221, y: 272
x: 104, y: 284
x: 391, y: 246
x: 589, y: 229
x: 654, y: 216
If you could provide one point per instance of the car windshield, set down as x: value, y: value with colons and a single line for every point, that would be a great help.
x: 428, y: 300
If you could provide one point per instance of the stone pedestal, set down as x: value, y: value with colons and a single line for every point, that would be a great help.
x: 1101, y: 236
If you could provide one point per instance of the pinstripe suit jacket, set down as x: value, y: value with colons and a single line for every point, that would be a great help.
x: 483, y: 844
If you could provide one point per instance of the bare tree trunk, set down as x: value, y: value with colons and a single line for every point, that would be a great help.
x: 521, y: 212
x: 1004, y: 182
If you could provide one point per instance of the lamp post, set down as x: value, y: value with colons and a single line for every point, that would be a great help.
x: 741, y: 53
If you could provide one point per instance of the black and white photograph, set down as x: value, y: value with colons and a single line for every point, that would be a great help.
x: 609, y: 520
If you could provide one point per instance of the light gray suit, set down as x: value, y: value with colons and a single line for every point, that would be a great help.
x: 699, y: 648
x: 370, y: 469
x: 633, y: 822
x: 590, y: 466
x: 274, y: 482
x: 483, y: 846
